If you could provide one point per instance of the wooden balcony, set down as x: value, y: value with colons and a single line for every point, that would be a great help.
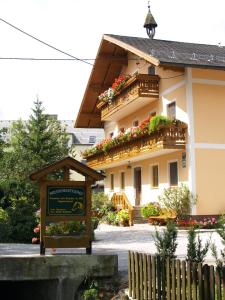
x: 137, y: 92
x: 167, y: 139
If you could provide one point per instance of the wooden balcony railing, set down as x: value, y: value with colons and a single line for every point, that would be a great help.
x: 120, y: 201
x: 167, y: 137
x: 141, y: 85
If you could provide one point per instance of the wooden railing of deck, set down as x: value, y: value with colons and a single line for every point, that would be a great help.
x: 142, y: 85
x: 168, y: 137
x: 120, y: 201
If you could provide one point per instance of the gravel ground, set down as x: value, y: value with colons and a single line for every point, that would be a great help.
x: 118, y: 240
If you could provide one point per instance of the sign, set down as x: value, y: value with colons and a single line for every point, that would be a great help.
x: 66, y: 201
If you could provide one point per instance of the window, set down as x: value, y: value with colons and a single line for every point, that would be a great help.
x: 135, y: 123
x: 151, y: 70
x: 92, y: 139
x: 111, y: 134
x: 122, y: 180
x: 171, y: 110
x: 173, y: 173
x: 112, y: 182
x: 155, y: 176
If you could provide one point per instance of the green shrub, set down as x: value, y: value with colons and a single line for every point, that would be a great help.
x: 67, y: 228
x: 150, y: 209
x: 165, y: 241
x: 22, y: 220
x: 157, y: 121
x: 91, y: 294
x: 177, y: 199
x: 123, y: 215
x: 195, y: 251
x: 101, y: 203
x: 111, y: 218
x: 4, y: 217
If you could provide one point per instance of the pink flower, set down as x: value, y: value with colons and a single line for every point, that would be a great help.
x: 36, y: 229
x: 34, y: 240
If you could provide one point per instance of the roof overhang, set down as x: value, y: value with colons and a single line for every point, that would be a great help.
x: 112, y: 55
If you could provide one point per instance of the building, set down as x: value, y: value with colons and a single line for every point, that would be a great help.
x: 184, y: 81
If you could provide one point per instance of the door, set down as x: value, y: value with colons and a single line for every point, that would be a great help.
x: 137, y: 185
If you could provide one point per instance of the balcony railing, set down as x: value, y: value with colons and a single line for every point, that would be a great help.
x: 167, y: 137
x: 141, y: 85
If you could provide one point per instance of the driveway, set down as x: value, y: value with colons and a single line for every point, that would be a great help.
x: 118, y: 240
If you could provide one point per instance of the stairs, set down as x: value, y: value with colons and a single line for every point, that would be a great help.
x: 138, y: 219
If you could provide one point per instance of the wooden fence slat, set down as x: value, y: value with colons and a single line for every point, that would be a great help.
x: 178, y: 279
x: 145, y: 277
x: 183, y: 280
x: 163, y: 273
x: 153, y: 278
x: 206, y: 282
x: 133, y: 276
x: 223, y: 282
x: 158, y: 273
x: 173, y: 274
x: 129, y: 274
x: 200, y: 282
x: 194, y: 281
x: 168, y: 279
x: 141, y: 275
x: 149, y: 278
x: 212, y: 283
x: 218, y: 284
x: 137, y: 276
x: 189, y: 296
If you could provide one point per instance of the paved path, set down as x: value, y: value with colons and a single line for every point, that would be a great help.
x: 118, y: 240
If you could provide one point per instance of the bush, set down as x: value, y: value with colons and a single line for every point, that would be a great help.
x: 178, y: 199
x: 111, y: 218
x: 157, y: 121
x: 101, y: 203
x: 195, y: 251
x: 21, y: 220
x: 123, y: 216
x: 150, y: 209
x: 165, y: 242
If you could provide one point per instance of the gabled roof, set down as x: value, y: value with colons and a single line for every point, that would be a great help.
x: 171, y: 52
x: 112, y: 54
x: 71, y: 164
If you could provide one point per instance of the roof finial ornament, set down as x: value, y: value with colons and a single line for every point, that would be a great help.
x: 150, y: 23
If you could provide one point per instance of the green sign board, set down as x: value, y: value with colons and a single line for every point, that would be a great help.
x: 65, y: 201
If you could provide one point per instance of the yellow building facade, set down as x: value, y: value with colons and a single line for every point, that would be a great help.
x: 181, y: 81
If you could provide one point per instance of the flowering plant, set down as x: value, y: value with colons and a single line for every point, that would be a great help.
x: 129, y: 135
x: 118, y: 83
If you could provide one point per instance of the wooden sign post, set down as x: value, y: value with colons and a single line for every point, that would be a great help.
x: 65, y: 201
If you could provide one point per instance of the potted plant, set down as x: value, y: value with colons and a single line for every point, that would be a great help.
x: 151, y: 209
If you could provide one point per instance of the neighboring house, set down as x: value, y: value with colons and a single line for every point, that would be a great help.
x: 185, y: 81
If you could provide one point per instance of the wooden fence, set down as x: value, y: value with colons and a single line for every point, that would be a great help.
x: 151, y: 278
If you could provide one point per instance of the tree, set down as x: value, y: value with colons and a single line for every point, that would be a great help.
x: 35, y: 143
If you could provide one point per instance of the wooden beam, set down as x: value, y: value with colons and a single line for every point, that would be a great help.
x: 90, y: 116
x: 96, y: 87
x: 118, y: 59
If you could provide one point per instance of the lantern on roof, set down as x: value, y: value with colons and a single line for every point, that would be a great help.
x: 150, y: 24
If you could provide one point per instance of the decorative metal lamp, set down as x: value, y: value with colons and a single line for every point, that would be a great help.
x: 150, y: 24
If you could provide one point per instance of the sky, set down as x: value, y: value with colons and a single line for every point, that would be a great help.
x: 76, y: 27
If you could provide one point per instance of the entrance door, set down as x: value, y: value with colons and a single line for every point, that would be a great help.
x: 137, y: 185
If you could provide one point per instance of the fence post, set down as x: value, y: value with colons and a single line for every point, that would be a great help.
x: 200, y: 282
x: 189, y: 280
x: 206, y: 282
x: 141, y: 276
x: 133, y: 291
x: 145, y: 277
x: 137, y: 276
x: 183, y: 280
x: 223, y: 280
x: 178, y: 279
x: 173, y: 273
x: 212, y: 283
x: 163, y: 279
x: 153, y: 278
x: 149, y: 277
x: 194, y: 281
x: 168, y: 279
x: 218, y: 284
x: 158, y: 274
